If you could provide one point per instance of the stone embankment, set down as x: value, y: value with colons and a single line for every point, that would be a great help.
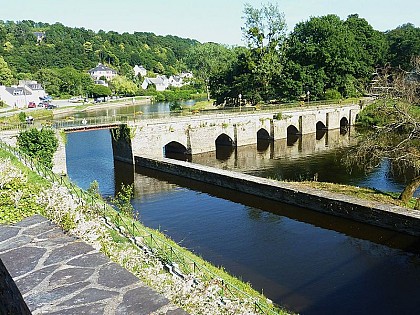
x: 383, y: 215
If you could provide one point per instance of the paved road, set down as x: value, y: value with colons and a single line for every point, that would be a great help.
x: 59, y: 274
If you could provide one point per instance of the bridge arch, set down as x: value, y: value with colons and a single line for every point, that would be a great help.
x: 321, y: 130
x: 263, y: 139
x: 224, y: 140
x: 344, y: 125
x: 344, y: 122
x: 225, y: 146
x: 263, y: 134
x: 293, y: 135
x: 177, y: 151
x: 320, y: 126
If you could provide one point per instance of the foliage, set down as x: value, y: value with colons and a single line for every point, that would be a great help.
x: 404, y: 44
x: 94, y: 189
x: 122, y: 201
x: 394, y: 134
x: 175, y: 106
x: 39, y: 144
x: 208, y: 60
x: 332, y: 94
x: 123, y: 86
x: 6, y: 76
x: 22, y: 117
x: 100, y: 91
x: 265, y: 34
x: 123, y: 132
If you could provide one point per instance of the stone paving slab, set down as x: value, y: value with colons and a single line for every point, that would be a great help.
x: 60, y: 274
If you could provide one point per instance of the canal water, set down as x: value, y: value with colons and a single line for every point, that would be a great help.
x: 309, y: 262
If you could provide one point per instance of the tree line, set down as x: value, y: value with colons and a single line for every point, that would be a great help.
x: 322, y: 58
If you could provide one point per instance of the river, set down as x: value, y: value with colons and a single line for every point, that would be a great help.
x: 309, y: 262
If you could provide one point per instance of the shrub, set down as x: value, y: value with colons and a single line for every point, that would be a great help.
x: 39, y: 144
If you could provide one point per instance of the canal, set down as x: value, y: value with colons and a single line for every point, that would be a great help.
x: 309, y: 262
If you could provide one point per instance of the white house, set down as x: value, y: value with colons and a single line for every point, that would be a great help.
x: 21, y: 95
x: 139, y: 70
x: 102, y: 71
x: 176, y: 81
x: 161, y: 83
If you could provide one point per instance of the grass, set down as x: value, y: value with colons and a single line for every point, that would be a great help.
x: 359, y: 192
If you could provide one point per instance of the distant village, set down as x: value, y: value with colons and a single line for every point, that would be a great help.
x: 31, y: 93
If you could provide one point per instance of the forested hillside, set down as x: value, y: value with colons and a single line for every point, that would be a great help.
x: 321, y: 58
x: 82, y: 49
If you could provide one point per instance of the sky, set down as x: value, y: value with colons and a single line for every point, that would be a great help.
x: 217, y: 21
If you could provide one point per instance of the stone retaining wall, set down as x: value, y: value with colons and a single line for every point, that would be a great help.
x: 382, y: 215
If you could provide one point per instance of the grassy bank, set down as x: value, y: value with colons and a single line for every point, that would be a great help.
x: 192, y: 283
x: 359, y: 192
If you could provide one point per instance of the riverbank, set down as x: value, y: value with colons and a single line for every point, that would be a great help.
x: 106, y: 230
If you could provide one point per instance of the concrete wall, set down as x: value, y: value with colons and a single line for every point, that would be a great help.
x: 386, y: 216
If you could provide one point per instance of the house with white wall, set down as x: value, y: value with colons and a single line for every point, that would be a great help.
x: 161, y: 83
x: 139, y: 70
x: 21, y: 95
x: 102, y: 71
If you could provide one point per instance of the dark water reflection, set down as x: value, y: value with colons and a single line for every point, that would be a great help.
x: 310, y: 262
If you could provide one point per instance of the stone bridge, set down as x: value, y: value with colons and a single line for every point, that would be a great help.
x: 204, y: 133
x: 187, y: 135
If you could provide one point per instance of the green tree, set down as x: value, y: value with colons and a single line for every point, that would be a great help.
x: 404, y: 45
x: 123, y: 86
x: 50, y: 79
x: 100, y: 91
x: 324, y: 53
x: 265, y: 34
x: 39, y: 144
x: 6, y: 76
x: 207, y: 60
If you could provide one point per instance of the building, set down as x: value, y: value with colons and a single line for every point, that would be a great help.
x: 101, y: 71
x: 139, y: 70
x: 21, y: 95
x: 161, y: 83
x: 40, y: 36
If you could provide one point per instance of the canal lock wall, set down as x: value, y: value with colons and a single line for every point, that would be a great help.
x: 382, y: 215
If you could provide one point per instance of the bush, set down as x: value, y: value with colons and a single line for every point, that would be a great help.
x: 332, y: 94
x: 39, y: 144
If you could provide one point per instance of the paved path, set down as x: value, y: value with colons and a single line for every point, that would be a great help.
x: 59, y: 274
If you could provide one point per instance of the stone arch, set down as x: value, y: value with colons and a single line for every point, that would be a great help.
x: 177, y: 151
x: 263, y: 134
x: 293, y: 135
x: 320, y: 126
x: 225, y: 146
x: 344, y: 125
x: 224, y: 140
x: 292, y: 130
x: 321, y: 130
x: 344, y: 122
x: 263, y: 140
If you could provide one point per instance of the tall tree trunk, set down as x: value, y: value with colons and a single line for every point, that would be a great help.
x: 409, y: 190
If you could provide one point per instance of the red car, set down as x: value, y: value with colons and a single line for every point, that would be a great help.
x: 31, y: 105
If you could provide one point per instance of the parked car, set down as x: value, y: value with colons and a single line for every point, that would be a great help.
x: 50, y: 106
x: 31, y: 105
